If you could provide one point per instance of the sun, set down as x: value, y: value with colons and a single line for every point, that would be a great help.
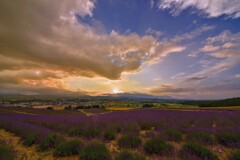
x: 116, y: 90
x: 38, y: 72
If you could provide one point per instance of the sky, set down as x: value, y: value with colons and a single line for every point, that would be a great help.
x: 179, y: 48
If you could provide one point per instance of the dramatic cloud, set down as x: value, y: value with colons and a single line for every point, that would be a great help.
x: 32, y: 81
x: 47, y: 35
x: 212, y: 8
x: 21, y: 75
x: 25, y: 89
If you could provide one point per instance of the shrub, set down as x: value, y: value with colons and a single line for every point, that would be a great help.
x: 130, y: 129
x: 6, y: 152
x: 68, y: 107
x: 96, y: 106
x: 75, y: 146
x: 79, y: 107
x: 118, y: 129
x: 201, y: 137
x: 149, y: 134
x: 145, y: 126
x: 126, y: 155
x: 147, y: 105
x: 95, y: 151
x: 76, y: 132
x: 157, y: 146
x: 109, y: 135
x: 50, y: 141
x: 129, y: 141
x: 229, y: 139
x: 30, y: 140
x: 192, y: 150
x: 174, y: 135
x: 68, y: 148
x: 235, y: 155
x: 91, y: 133
x: 62, y: 149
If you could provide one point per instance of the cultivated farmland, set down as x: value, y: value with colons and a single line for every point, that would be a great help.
x: 131, y: 134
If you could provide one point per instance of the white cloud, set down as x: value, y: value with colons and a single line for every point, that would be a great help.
x: 226, y: 54
x: 225, y: 36
x: 151, y: 3
x: 196, y: 32
x: 224, y: 45
x: 212, y: 8
x: 178, y: 76
x: 207, y: 79
x: 193, y: 54
x: 237, y: 75
x: 212, y: 68
x: 230, y: 44
x: 218, y: 90
x: 209, y: 48
x: 153, y: 32
x: 157, y: 79
x: 82, y: 7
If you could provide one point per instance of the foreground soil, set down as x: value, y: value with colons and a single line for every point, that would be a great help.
x: 28, y: 153
x: 31, y: 153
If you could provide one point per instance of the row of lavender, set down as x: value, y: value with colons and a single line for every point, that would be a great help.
x: 128, y: 122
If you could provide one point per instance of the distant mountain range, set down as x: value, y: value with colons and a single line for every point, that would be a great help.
x: 120, y: 97
x: 135, y: 96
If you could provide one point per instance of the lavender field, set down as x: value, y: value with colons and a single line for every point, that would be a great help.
x: 122, y: 135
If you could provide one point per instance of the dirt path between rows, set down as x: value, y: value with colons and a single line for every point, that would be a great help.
x: 28, y: 153
x: 31, y: 153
